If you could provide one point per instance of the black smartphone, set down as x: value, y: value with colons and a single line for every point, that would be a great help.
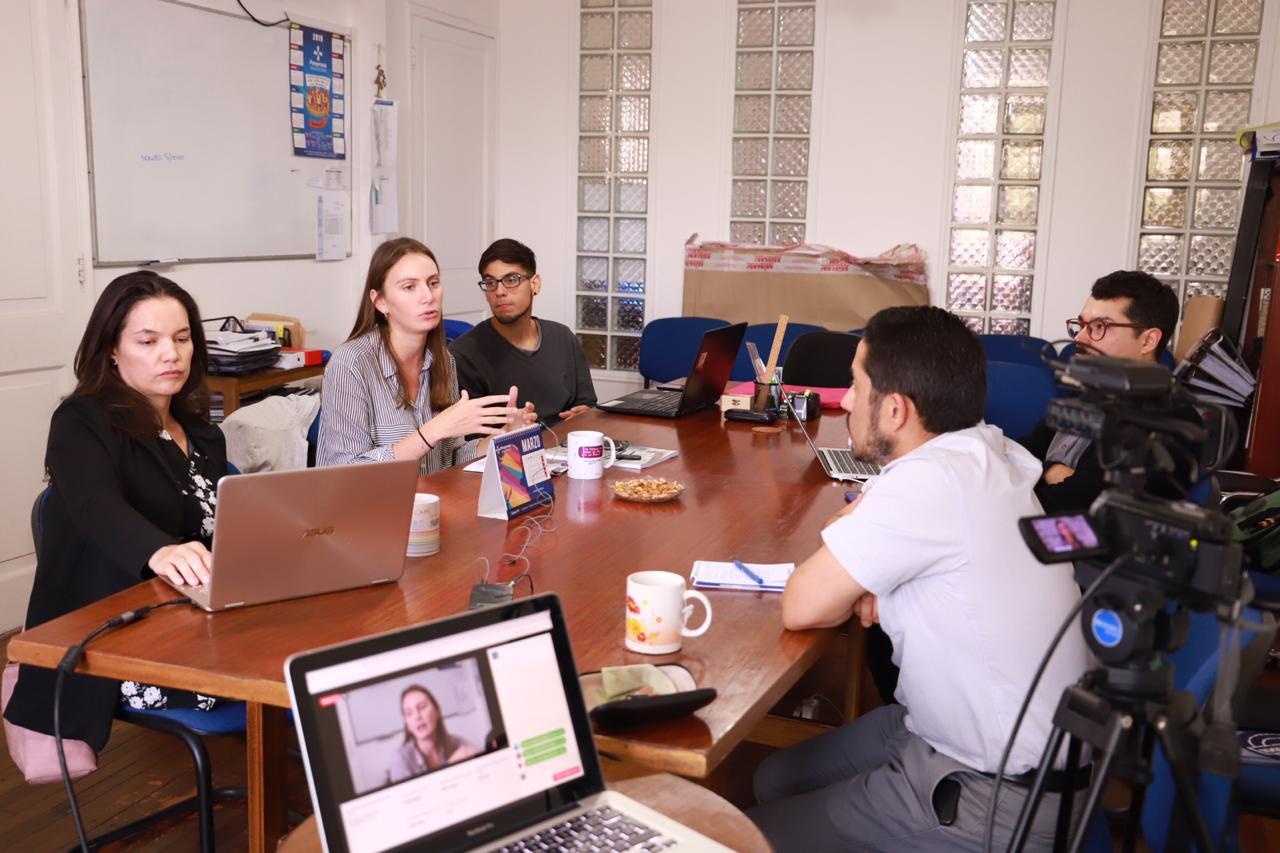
x: 1061, y: 538
x: 750, y: 416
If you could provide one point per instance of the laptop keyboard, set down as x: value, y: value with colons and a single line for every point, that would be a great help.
x: 844, y: 462
x: 666, y: 404
x: 600, y: 829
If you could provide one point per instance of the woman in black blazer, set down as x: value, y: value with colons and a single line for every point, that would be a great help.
x: 133, y: 463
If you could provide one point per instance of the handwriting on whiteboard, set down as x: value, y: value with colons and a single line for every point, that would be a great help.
x: 164, y: 157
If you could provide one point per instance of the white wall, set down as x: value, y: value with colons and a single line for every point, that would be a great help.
x: 323, y: 295
x: 882, y: 145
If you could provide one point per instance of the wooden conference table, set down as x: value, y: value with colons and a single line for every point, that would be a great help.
x: 749, y: 496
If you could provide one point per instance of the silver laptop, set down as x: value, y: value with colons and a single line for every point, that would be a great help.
x: 521, y: 770
x: 286, y: 534
x: 839, y: 463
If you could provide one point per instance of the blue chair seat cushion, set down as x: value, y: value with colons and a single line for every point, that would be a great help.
x: 226, y: 718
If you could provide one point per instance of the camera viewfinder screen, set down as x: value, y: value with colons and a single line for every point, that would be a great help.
x: 1065, y: 534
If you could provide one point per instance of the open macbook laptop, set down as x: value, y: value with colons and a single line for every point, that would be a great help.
x: 286, y: 534
x: 521, y: 765
x: 707, y: 378
x: 839, y: 463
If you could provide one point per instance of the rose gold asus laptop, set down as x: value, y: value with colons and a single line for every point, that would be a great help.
x: 288, y: 534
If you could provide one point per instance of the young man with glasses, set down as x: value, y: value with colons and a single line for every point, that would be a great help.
x: 542, y: 358
x: 1128, y: 315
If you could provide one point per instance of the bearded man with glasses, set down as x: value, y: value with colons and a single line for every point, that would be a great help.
x: 1128, y: 315
x: 542, y: 358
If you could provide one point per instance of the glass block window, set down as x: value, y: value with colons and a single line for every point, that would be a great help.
x: 1191, y: 192
x: 773, y: 103
x: 616, y: 62
x: 995, y: 197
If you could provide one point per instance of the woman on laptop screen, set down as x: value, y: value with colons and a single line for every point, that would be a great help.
x: 391, y: 391
x: 133, y: 464
x: 427, y: 743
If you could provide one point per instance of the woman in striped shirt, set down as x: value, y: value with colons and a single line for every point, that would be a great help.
x: 391, y: 391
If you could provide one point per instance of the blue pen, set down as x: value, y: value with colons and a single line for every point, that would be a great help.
x: 742, y: 567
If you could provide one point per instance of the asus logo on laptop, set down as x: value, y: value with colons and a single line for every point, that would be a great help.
x: 317, y: 531
x: 476, y: 830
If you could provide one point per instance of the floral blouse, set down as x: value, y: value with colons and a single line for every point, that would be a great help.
x: 200, y: 500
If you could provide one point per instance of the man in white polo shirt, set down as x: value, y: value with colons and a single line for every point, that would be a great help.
x: 931, y: 551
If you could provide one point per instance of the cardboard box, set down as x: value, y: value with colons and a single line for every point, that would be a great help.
x: 1200, y: 314
x: 810, y: 284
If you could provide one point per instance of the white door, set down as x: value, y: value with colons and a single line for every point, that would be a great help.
x: 42, y: 297
x: 453, y: 74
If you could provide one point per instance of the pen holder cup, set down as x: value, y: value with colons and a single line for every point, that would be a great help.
x: 767, y: 397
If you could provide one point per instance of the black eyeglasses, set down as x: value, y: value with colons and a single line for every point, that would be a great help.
x: 510, y: 281
x: 1097, y: 328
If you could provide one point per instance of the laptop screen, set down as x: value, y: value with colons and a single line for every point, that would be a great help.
x: 711, y: 366
x: 443, y: 741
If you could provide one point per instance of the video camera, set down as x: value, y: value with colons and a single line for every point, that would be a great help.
x: 1171, y: 548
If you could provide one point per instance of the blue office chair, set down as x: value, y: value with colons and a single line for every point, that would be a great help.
x: 1018, y: 349
x: 1017, y: 396
x: 188, y: 725
x: 454, y: 329
x: 762, y: 335
x: 1196, y: 671
x: 669, y: 345
x: 1166, y: 357
x: 313, y: 439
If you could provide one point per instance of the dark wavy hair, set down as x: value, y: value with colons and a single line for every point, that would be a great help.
x: 441, y: 734
x: 99, y: 379
x: 1152, y: 303
x: 368, y: 318
x: 930, y: 356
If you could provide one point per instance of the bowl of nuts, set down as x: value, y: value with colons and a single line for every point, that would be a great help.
x: 648, y: 490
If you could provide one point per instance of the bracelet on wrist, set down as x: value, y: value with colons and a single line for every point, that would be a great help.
x: 429, y: 445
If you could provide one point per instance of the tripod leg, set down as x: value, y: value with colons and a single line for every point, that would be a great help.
x: 1185, y: 785
x: 1026, y: 816
x: 1138, y: 794
x: 1067, y: 797
x: 1101, y: 772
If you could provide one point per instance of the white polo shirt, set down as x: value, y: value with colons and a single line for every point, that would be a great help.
x: 970, y: 611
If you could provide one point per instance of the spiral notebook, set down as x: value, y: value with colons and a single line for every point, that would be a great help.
x: 710, y: 575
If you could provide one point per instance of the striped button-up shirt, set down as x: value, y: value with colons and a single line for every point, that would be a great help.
x: 360, y: 419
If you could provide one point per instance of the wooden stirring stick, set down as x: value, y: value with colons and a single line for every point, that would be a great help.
x: 776, y: 349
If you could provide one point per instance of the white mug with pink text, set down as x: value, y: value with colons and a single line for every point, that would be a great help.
x: 586, y: 454
x: 657, y: 615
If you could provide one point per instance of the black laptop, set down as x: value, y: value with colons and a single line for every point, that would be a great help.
x: 707, y: 378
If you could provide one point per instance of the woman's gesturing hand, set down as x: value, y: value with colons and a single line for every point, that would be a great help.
x: 483, y: 416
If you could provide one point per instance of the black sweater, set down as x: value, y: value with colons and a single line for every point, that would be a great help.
x: 555, y: 378
x: 113, y: 501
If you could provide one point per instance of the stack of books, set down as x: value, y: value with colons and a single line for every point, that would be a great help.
x: 237, y: 353
x: 1214, y: 372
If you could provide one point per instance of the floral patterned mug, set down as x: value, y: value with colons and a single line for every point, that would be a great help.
x: 657, y: 615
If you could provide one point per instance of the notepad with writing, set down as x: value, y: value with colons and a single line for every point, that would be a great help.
x: 708, y: 574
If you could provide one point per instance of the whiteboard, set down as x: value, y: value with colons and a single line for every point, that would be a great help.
x: 190, y: 144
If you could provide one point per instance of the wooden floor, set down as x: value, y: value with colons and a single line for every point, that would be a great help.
x: 141, y: 772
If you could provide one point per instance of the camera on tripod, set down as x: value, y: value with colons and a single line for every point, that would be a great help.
x: 1146, y: 553
x: 1177, y: 550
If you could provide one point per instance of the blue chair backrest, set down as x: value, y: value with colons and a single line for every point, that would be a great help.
x: 1195, y: 670
x: 1019, y: 349
x: 1166, y: 357
x: 454, y: 329
x: 762, y: 335
x: 669, y: 345
x: 1017, y: 396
